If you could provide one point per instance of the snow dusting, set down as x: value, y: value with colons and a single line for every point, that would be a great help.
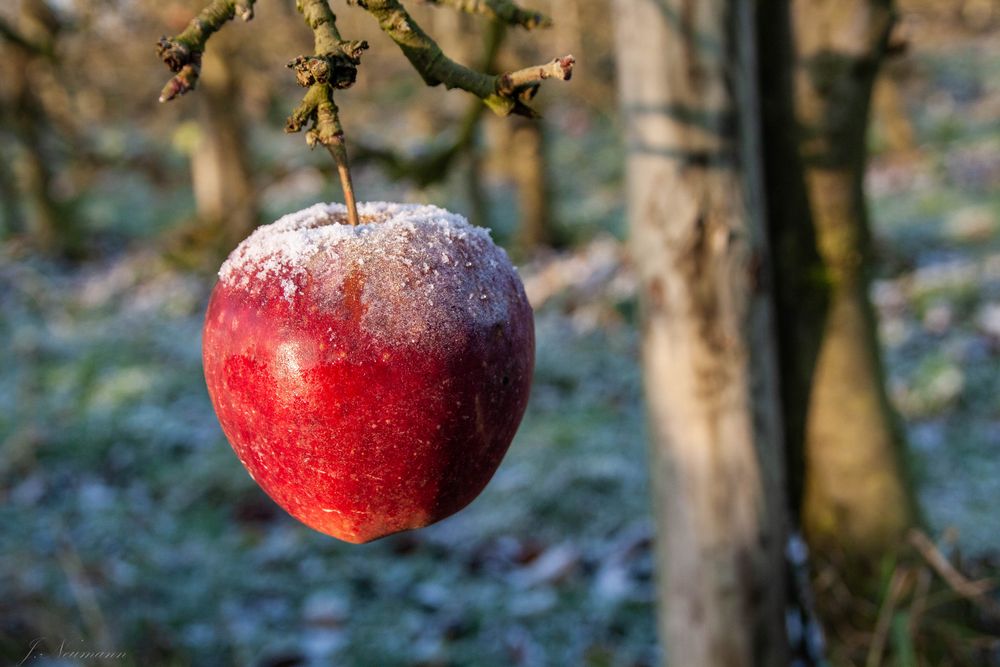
x: 410, y: 271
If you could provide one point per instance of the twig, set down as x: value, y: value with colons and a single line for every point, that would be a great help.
x: 499, y: 10
x: 974, y: 591
x: 182, y: 53
x: 898, y: 583
x: 83, y: 591
x: 531, y: 77
x: 504, y: 93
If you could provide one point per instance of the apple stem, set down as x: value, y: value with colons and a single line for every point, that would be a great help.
x: 338, y: 150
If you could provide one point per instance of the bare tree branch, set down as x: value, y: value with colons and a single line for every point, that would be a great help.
x: 504, y: 93
x: 334, y: 65
x: 504, y: 11
x: 975, y: 591
x: 182, y: 53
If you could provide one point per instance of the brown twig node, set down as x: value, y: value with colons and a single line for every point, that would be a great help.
x: 338, y: 68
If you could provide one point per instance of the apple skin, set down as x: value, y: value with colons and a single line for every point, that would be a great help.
x: 370, y: 379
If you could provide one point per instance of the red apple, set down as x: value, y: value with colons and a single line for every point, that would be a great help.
x: 369, y: 378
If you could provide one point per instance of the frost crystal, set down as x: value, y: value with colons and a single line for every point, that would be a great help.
x: 395, y: 260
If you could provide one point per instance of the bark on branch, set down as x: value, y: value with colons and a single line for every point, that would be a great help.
x: 504, y: 11
x: 182, y: 53
x: 505, y: 94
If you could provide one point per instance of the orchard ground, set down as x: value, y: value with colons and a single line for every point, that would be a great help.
x: 128, y: 524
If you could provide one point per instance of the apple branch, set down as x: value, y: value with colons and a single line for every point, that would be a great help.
x: 504, y: 11
x: 333, y: 66
x: 505, y: 94
x: 182, y: 53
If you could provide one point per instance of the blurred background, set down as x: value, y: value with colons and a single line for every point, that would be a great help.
x: 127, y: 524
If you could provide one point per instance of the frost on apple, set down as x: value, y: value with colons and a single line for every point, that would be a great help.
x: 369, y: 377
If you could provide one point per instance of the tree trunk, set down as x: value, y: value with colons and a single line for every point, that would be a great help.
x: 225, y: 195
x: 45, y: 221
x: 567, y: 31
x: 529, y: 169
x: 857, y: 501
x: 518, y: 150
x: 686, y: 77
x: 10, y: 207
x: 800, y: 296
x: 475, y: 189
x: 890, y: 109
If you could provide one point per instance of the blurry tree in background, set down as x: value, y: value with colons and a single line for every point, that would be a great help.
x: 224, y: 191
x: 688, y: 94
x: 30, y: 72
x: 858, y: 504
x: 710, y: 350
